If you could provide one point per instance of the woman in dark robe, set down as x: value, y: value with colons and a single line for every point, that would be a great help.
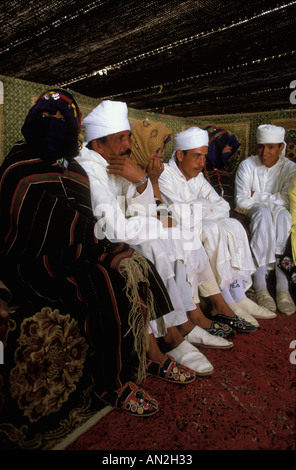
x: 49, y: 254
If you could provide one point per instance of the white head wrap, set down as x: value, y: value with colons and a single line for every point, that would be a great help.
x: 192, y: 138
x: 107, y: 118
x: 270, y: 134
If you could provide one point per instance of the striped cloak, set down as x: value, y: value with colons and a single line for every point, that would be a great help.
x: 50, y: 256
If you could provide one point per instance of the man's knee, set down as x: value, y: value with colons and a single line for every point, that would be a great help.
x: 260, y: 211
x: 210, y: 231
x: 284, y: 218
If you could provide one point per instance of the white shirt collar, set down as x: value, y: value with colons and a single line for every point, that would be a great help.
x: 173, y: 165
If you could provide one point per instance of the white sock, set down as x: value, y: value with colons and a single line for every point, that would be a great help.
x: 227, y: 295
x: 259, y: 279
x: 237, y: 291
x: 282, y: 284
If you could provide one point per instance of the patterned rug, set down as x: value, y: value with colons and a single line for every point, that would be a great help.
x: 248, y: 403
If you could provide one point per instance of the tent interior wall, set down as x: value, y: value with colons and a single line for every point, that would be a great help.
x: 17, y: 96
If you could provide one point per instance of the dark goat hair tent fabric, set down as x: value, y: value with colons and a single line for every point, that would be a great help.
x: 182, y: 58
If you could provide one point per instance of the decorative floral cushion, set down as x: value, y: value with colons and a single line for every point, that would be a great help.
x: 46, y: 388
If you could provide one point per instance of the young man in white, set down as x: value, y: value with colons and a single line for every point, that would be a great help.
x: 261, y: 192
x: 183, y: 185
x: 124, y: 205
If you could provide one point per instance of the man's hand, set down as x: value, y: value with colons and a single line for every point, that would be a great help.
x: 125, y: 167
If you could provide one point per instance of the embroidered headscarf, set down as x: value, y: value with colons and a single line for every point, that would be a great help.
x: 48, y: 137
x: 147, y: 137
x: 218, y: 140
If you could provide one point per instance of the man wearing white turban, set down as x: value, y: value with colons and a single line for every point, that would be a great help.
x: 261, y: 192
x: 124, y: 205
x: 182, y: 184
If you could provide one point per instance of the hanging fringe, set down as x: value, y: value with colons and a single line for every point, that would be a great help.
x: 135, y: 271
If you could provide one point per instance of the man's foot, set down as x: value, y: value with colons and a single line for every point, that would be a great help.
x: 220, y: 329
x: 170, y: 370
x: 264, y: 299
x: 201, y: 337
x: 256, y: 310
x: 191, y: 357
x: 285, y: 303
x: 238, y: 324
x: 243, y: 314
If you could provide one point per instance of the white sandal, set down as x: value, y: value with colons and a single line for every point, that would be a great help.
x: 264, y: 299
x: 285, y: 303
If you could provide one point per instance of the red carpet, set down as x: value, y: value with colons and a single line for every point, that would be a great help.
x: 248, y: 403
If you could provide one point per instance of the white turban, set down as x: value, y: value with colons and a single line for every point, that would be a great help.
x: 108, y: 118
x: 270, y: 134
x: 192, y: 138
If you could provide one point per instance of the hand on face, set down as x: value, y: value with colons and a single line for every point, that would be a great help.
x: 155, y: 168
x: 124, y: 166
x: 116, y: 151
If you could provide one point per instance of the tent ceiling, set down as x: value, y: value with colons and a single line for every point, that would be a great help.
x: 178, y: 57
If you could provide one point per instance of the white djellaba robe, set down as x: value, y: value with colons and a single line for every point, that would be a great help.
x: 124, y: 215
x: 224, y: 238
x: 268, y: 206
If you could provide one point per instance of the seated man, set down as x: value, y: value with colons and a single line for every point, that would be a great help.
x: 261, y: 192
x: 188, y: 194
x: 124, y: 205
x: 148, y: 143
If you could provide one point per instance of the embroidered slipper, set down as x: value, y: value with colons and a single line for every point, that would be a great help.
x: 135, y: 401
x: 237, y: 323
x: 170, y: 370
x: 220, y: 329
